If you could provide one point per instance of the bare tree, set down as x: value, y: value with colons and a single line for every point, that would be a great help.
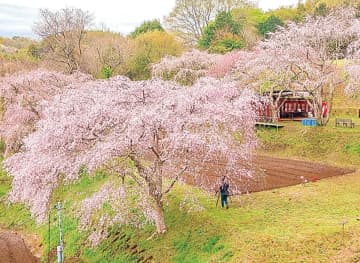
x: 106, y: 49
x: 63, y: 32
x: 190, y: 17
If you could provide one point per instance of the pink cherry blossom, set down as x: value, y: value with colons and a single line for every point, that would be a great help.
x: 304, y: 57
x: 21, y: 95
x: 353, y: 85
x: 187, y: 68
x: 166, y: 131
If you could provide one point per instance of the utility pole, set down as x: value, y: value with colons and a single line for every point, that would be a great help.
x: 60, y: 247
x: 48, y: 259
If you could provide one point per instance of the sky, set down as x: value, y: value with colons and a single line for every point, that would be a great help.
x: 18, y: 16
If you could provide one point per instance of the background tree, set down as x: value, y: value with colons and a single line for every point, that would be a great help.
x: 106, y: 54
x: 147, y: 26
x: 269, y: 25
x: 18, y: 54
x: 63, y: 33
x: 266, y: 73
x: 321, y: 10
x: 291, y: 13
x: 222, y: 35
x: 21, y: 107
x: 304, y: 57
x: 190, y: 17
x: 224, y: 64
x: 352, y: 88
x: 185, y: 69
x: 34, y: 50
x: 312, y: 5
x: 313, y: 49
x: 150, y: 47
x: 249, y: 17
x: 17, y: 42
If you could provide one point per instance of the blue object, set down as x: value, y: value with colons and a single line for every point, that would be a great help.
x: 309, y: 122
x: 224, y: 201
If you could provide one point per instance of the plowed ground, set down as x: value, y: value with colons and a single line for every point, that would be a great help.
x: 270, y: 173
x: 285, y: 172
x: 13, y: 249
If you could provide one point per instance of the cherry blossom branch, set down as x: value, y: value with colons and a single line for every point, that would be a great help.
x: 175, y: 180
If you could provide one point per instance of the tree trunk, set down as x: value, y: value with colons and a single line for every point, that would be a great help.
x: 330, y: 101
x: 156, y: 194
x: 274, y: 114
x: 153, y: 179
x: 159, y: 218
x: 276, y: 106
x: 317, y: 106
x: 275, y: 109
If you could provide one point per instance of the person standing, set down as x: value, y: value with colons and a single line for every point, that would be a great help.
x: 224, y: 193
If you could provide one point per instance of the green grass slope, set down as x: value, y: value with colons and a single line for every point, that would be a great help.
x: 329, y: 144
x: 294, y: 224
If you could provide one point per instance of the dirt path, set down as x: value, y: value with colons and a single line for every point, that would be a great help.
x: 273, y: 173
x: 13, y: 249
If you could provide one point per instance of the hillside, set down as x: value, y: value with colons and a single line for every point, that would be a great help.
x: 298, y: 223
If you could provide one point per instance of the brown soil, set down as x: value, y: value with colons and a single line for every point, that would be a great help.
x: 14, y: 250
x: 270, y: 173
x: 285, y: 172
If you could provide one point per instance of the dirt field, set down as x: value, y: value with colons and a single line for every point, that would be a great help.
x: 273, y: 173
x: 285, y: 172
x: 13, y: 249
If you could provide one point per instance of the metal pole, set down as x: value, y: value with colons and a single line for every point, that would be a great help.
x: 49, y: 238
x: 60, y: 248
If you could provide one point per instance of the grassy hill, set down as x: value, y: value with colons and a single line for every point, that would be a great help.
x: 294, y: 224
x: 330, y: 145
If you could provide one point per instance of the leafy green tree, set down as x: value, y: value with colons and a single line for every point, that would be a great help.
x: 226, y: 45
x: 106, y: 72
x: 249, y: 17
x: 222, y: 35
x: 207, y: 36
x: 321, y: 10
x: 147, y: 26
x: 139, y: 68
x: 290, y: 13
x: 34, y: 51
x: 269, y: 25
x: 150, y: 47
x: 300, y: 12
x: 331, y: 3
x: 323, y: 7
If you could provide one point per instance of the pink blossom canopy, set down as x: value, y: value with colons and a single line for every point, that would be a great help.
x: 100, y: 120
